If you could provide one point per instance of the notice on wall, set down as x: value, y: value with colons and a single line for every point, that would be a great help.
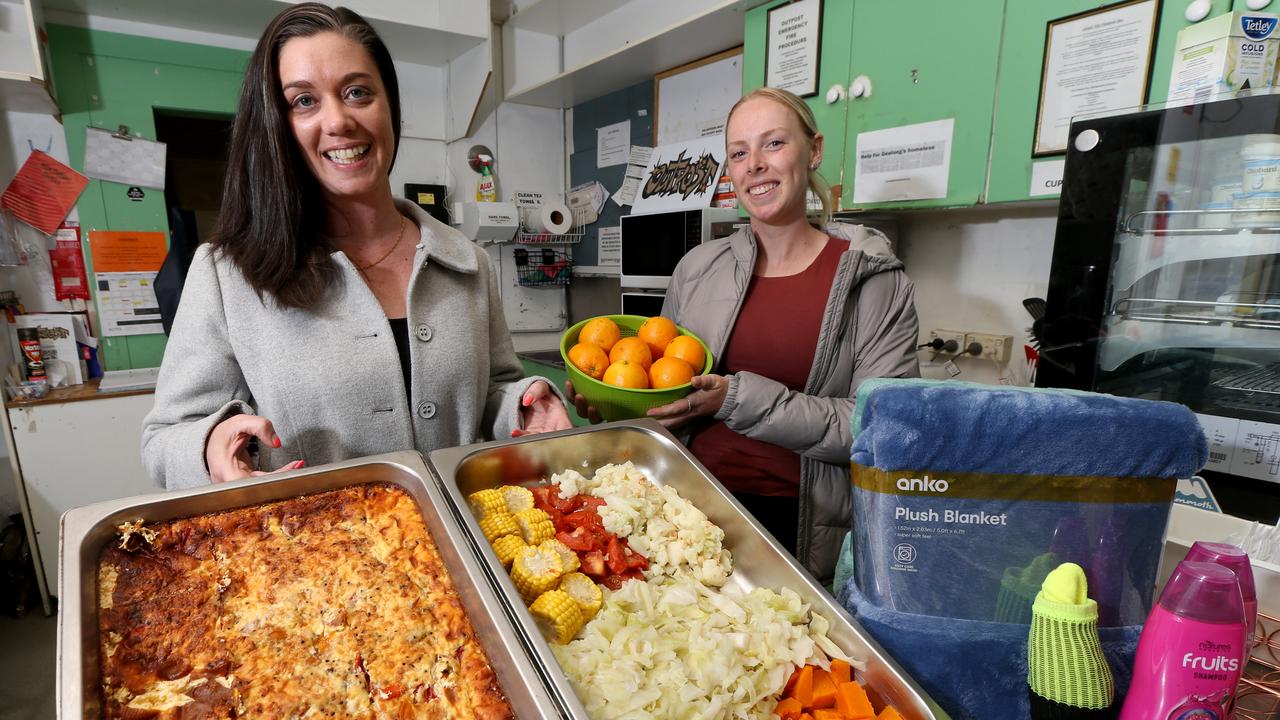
x: 1242, y: 447
x: 125, y: 265
x: 43, y: 192
x: 636, y: 165
x: 681, y: 176
x: 124, y: 159
x: 1095, y: 62
x: 791, y: 47
x: 912, y: 162
x: 613, y: 144
x: 609, y: 248
x: 1046, y: 178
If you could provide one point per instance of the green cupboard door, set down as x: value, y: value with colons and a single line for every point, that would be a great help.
x: 833, y: 69
x: 933, y: 61
x: 128, y: 92
x: 1018, y: 92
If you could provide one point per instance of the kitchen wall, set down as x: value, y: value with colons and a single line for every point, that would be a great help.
x: 972, y: 268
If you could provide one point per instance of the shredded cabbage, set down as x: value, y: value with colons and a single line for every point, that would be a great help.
x: 667, y: 529
x: 672, y: 647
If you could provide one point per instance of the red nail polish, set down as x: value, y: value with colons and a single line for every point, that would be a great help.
x: 275, y: 443
x: 528, y: 400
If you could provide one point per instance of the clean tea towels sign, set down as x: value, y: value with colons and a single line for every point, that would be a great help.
x: 681, y: 176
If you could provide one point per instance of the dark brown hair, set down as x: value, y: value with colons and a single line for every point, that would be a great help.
x: 271, y: 203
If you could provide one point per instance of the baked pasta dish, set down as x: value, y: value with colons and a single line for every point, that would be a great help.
x: 325, y: 606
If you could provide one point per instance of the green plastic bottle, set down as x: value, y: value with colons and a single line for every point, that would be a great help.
x: 486, y: 188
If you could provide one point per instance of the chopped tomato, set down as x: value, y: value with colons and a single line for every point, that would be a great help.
x: 580, y: 539
x: 557, y: 518
x: 587, y: 518
x: 591, y: 501
x: 592, y: 563
x: 636, y: 561
x: 613, y: 582
x: 633, y: 574
x: 390, y: 692
x: 542, y: 496
x: 615, y: 556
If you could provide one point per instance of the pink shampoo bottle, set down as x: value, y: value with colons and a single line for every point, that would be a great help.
x: 1190, y: 653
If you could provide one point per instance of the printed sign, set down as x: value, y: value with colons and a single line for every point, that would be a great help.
x: 681, y: 176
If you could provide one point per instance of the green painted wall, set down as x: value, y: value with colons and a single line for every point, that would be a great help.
x: 107, y: 79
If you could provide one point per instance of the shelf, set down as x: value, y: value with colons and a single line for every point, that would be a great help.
x: 23, y: 93
x: 1128, y: 337
x: 715, y: 30
x: 1141, y: 254
x: 561, y: 17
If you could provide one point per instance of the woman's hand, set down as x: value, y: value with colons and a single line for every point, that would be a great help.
x: 227, y: 452
x: 541, y: 411
x: 709, y: 392
x: 584, y: 409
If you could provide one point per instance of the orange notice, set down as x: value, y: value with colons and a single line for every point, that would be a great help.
x: 126, y: 251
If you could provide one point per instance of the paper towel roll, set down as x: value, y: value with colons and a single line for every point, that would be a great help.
x: 551, y: 217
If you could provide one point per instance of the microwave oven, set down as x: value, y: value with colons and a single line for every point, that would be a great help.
x: 652, y: 244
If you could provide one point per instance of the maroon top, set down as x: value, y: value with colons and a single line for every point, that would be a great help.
x: 775, y: 335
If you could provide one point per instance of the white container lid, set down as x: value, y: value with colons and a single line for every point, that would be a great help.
x: 1265, y: 145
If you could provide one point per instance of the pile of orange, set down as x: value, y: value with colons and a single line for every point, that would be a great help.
x: 657, y: 357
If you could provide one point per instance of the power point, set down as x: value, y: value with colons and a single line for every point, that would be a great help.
x: 994, y: 347
x: 947, y: 336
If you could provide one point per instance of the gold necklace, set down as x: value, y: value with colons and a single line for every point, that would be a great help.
x: 399, y: 238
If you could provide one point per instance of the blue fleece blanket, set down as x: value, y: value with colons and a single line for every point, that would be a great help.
x: 961, y: 427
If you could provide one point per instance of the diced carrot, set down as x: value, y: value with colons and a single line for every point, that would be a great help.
x: 804, y: 687
x: 853, y: 703
x: 840, y: 671
x: 827, y: 714
x: 889, y: 713
x: 824, y: 689
x: 789, y: 689
x: 788, y: 709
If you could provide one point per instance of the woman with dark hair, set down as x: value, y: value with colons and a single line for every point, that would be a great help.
x: 326, y: 319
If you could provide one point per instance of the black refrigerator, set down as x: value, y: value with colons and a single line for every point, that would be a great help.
x: 1165, y: 280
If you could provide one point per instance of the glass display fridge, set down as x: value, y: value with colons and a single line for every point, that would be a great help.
x: 1165, y: 280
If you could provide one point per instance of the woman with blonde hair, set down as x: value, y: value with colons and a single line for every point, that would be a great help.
x: 798, y: 311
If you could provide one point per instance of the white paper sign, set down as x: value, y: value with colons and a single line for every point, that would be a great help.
x: 128, y: 162
x: 636, y: 165
x: 912, y: 162
x: 1046, y: 178
x: 609, y: 247
x: 792, y: 50
x: 1097, y: 63
x: 1242, y: 447
x: 613, y: 144
x: 127, y: 303
x: 681, y: 175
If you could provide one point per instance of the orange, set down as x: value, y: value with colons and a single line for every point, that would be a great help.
x: 669, y: 372
x: 626, y: 374
x: 600, y: 331
x: 633, y: 349
x: 657, y: 331
x: 589, y: 358
x: 688, y: 350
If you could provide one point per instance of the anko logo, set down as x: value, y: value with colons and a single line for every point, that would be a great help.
x: 924, y: 484
x: 1257, y: 28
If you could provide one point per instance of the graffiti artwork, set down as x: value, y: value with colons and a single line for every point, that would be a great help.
x: 681, y: 175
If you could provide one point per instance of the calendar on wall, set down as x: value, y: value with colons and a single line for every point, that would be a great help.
x: 127, y: 303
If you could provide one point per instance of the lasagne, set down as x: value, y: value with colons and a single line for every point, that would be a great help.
x: 329, y: 605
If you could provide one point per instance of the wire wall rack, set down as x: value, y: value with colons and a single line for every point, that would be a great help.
x: 573, y: 236
x: 542, y: 268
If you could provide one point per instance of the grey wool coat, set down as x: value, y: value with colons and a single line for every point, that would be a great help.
x: 329, y: 379
x: 869, y: 329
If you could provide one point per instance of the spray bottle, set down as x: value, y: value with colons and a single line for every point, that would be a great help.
x: 487, y: 187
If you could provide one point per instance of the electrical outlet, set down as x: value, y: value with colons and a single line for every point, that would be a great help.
x: 956, y: 335
x: 995, y: 347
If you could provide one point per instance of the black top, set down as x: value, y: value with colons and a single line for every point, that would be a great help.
x: 400, y: 331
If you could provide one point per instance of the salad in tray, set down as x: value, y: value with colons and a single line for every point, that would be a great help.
x: 627, y: 580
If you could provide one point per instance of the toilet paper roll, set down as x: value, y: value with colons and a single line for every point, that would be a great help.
x: 552, y: 217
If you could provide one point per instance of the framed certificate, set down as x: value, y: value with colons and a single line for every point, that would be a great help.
x: 792, y: 47
x: 1094, y: 62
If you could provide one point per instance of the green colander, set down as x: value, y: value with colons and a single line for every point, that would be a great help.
x: 615, y: 403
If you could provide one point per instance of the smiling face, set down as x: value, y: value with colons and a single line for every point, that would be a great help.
x: 340, y: 114
x: 770, y: 157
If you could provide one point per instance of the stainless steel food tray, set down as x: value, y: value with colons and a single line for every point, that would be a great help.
x: 85, y: 531
x: 758, y: 559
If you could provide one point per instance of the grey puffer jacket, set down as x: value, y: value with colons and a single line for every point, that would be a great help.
x: 869, y: 329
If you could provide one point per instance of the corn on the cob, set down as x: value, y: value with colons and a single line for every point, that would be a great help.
x: 558, y: 615
x: 486, y: 502
x: 585, y: 592
x: 506, y: 547
x: 568, y: 558
x: 516, y: 497
x: 495, y: 525
x: 535, y: 526
x: 535, y: 571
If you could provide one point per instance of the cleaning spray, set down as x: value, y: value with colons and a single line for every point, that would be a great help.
x: 1189, y: 655
x: 487, y: 187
